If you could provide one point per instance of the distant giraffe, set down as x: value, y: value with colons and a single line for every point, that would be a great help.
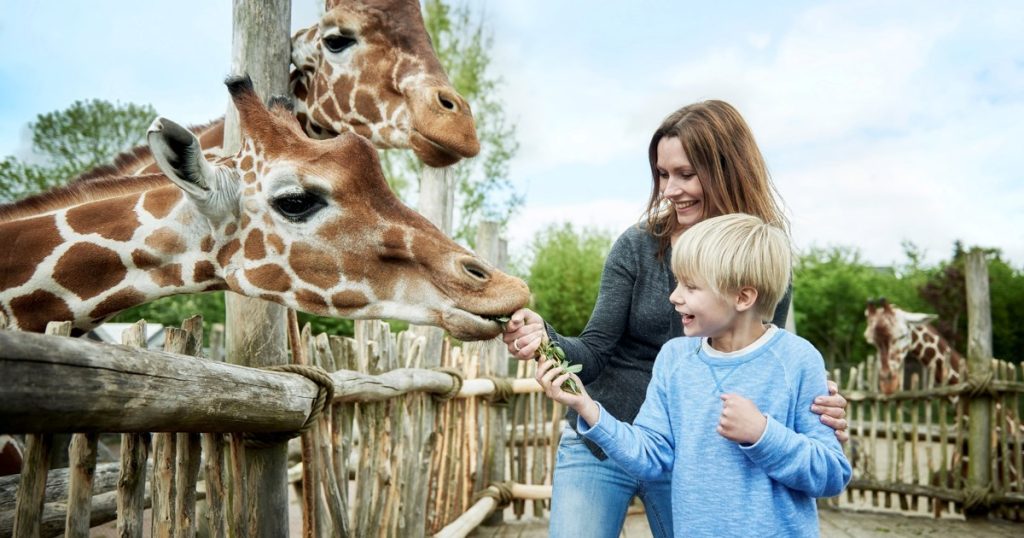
x: 898, y: 335
x: 307, y: 223
x: 367, y: 67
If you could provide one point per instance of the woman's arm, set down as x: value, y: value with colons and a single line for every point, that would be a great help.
x: 609, y: 320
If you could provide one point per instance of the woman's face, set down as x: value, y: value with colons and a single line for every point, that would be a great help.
x: 678, y: 182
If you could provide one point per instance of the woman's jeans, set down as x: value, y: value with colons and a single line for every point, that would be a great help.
x: 590, y: 496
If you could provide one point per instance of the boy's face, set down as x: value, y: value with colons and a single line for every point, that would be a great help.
x: 704, y: 312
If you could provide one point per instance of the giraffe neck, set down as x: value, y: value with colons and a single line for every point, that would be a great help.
x: 930, y: 349
x: 86, y: 262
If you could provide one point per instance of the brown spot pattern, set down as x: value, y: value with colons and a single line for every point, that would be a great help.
x: 276, y: 243
x: 167, y: 241
x: 227, y: 251
x: 245, y: 221
x: 366, y: 106
x: 167, y: 276
x: 203, y: 271
x: 313, y: 266
x: 113, y: 219
x: 206, y: 244
x: 144, y: 260
x: 35, y: 310
x: 88, y: 270
x: 254, y: 249
x: 310, y: 301
x: 160, y: 202
x: 269, y: 277
x: 349, y: 299
x: 230, y: 229
x: 26, y: 244
x: 117, y: 302
x: 246, y: 164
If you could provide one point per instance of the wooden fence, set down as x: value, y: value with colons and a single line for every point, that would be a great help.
x: 371, y: 465
x: 957, y: 448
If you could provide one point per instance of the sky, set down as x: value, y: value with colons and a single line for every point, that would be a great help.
x: 881, y: 122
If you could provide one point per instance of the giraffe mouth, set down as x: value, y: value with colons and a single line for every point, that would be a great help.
x: 431, y: 152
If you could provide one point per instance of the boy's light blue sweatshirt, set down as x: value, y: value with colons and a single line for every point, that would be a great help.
x: 719, y: 487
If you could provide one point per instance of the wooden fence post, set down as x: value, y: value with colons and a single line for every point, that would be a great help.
x: 255, y: 336
x: 436, y: 203
x: 494, y: 362
x: 979, y: 355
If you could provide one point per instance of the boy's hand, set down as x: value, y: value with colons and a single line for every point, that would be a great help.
x: 551, y: 380
x: 741, y: 420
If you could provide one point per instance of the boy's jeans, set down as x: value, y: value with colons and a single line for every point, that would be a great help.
x: 590, y: 496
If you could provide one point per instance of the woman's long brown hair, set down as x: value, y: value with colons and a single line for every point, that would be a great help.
x: 729, y: 166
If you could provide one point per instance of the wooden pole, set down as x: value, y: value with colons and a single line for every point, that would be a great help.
x: 979, y: 354
x: 494, y: 359
x: 255, y: 336
x: 436, y: 202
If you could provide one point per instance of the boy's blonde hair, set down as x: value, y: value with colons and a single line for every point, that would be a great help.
x: 729, y: 252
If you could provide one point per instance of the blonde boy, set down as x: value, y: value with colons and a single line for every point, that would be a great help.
x: 728, y: 407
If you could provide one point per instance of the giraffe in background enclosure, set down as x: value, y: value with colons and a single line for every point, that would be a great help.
x: 367, y: 67
x: 898, y: 335
x: 307, y: 223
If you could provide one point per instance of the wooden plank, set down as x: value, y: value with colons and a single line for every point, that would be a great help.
x: 29, y: 503
x: 83, y: 466
x: 131, y: 488
x: 979, y: 353
x: 108, y: 388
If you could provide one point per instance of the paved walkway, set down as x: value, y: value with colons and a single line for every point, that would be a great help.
x: 834, y: 524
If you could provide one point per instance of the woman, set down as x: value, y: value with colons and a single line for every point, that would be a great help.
x: 704, y: 163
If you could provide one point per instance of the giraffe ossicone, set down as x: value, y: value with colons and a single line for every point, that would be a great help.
x: 899, y: 335
x: 307, y: 223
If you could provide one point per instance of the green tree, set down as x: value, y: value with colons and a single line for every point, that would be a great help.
x: 483, y: 190
x: 72, y: 141
x: 830, y: 290
x: 565, y: 274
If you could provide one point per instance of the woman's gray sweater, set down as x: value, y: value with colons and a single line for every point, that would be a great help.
x: 632, y: 319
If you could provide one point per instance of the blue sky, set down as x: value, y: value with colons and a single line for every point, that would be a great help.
x: 881, y: 121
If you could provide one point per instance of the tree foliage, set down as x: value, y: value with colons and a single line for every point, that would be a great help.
x: 483, y: 191
x: 566, y: 274
x: 72, y: 141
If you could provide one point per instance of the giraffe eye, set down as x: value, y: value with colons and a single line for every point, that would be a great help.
x: 298, y: 207
x: 338, y: 42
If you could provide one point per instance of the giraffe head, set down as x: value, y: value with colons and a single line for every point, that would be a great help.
x: 313, y: 225
x: 890, y: 329
x: 369, y: 67
x: 307, y: 223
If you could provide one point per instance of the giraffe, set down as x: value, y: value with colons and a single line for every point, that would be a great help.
x: 367, y: 67
x: 899, y: 334
x: 310, y: 224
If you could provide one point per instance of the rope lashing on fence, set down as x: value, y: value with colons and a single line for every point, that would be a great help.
x: 501, y: 492
x: 325, y: 394
x: 503, y: 392
x: 977, y: 497
x: 980, y: 385
x: 457, y: 379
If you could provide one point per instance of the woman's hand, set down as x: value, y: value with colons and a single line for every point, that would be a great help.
x: 523, y: 334
x: 832, y: 409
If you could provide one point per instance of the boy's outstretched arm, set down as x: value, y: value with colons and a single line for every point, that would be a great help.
x: 646, y: 452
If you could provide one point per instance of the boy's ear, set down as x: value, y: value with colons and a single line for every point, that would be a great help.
x: 745, y: 298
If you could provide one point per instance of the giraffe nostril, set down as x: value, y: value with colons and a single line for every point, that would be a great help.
x: 477, y: 271
x: 446, y: 103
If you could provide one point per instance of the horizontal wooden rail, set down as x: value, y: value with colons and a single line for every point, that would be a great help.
x: 54, y: 384
x: 472, y: 518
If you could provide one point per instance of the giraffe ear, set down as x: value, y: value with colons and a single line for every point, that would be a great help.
x: 305, y: 52
x: 916, y: 318
x: 177, y: 153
